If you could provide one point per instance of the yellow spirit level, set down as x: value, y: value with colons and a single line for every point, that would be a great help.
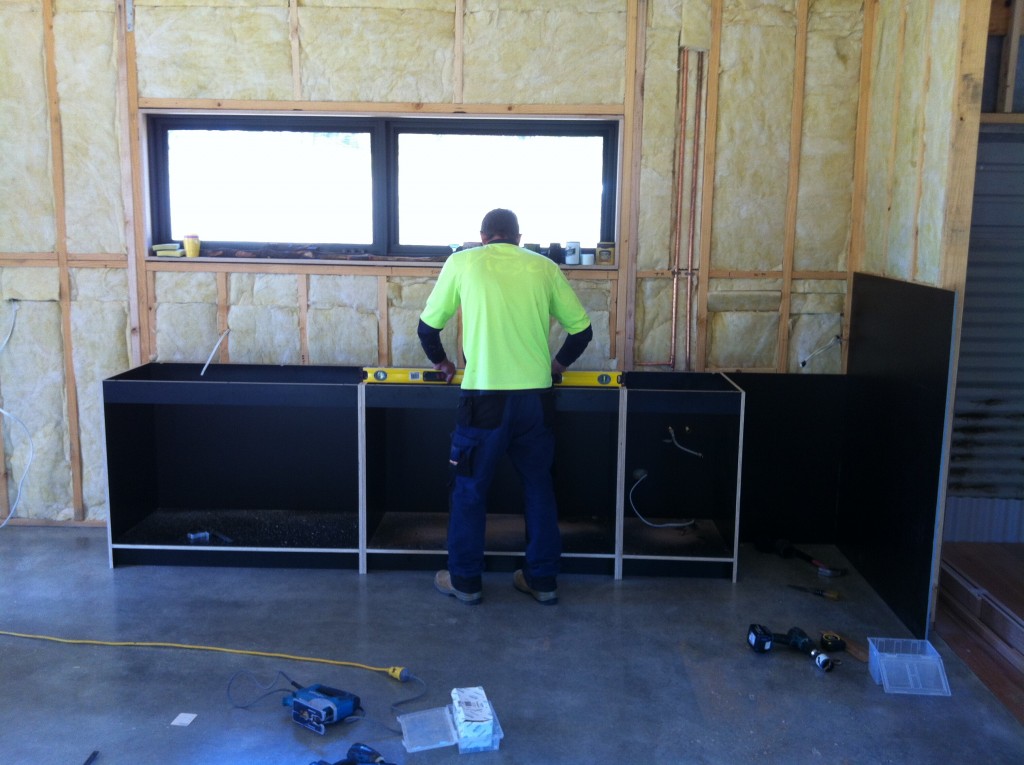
x: 568, y: 379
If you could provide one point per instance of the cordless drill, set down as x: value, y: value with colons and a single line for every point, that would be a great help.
x: 802, y: 642
x: 761, y: 639
x: 358, y: 754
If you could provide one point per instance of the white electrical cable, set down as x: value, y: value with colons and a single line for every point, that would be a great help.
x: 836, y: 339
x: 680, y: 525
x: 672, y: 438
x: 215, y: 347
x: 28, y: 464
x: 14, y: 317
x: 28, y: 433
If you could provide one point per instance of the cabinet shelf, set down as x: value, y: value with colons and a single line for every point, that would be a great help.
x: 252, y: 529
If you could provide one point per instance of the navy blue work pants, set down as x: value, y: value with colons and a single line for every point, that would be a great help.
x: 488, y: 426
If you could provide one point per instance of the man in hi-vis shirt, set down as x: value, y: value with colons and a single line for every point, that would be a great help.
x: 508, y: 297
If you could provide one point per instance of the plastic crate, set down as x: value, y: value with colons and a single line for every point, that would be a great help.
x: 907, y: 666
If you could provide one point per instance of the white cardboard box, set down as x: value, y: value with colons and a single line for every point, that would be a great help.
x: 472, y: 713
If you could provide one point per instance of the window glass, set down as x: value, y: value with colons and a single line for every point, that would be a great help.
x: 270, y: 186
x: 446, y: 182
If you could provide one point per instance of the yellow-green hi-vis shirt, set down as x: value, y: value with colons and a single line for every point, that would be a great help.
x: 508, y: 296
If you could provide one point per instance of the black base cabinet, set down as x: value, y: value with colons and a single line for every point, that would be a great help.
x: 242, y: 465
x: 407, y: 448
x: 681, y: 465
x: 313, y: 466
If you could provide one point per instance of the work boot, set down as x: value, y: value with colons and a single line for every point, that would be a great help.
x: 443, y: 584
x: 545, y: 598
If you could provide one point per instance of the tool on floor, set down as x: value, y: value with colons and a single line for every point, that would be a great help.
x: 759, y: 638
x: 569, y: 378
x: 827, y: 594
x: 92, y: 758
x: 786, y: 550
x: 762, y: 640
x: 801, y: 641
x: 203, y: 536
x: 358, y: 754
x: 834, y: 642
x: 830, y: 641
x: 317, y: 706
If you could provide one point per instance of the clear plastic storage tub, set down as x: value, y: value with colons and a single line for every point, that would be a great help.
x: 907, y: 666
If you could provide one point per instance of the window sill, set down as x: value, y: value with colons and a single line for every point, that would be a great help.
x: 354, y: 259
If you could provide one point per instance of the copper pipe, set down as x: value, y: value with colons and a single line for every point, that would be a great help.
x: 684, y: 69
x: 684, y: 66
x: 693, y: 205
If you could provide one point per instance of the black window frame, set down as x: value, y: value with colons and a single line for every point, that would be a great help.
x: 384, y: 135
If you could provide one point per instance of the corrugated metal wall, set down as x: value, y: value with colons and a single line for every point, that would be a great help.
x: 987, y: 453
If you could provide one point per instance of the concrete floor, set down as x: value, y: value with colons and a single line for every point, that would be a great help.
x: 644, y: 670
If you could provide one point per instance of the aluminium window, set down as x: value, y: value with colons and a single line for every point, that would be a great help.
x: 344, y: 187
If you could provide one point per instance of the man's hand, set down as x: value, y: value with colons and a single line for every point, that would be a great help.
x: 447, y: 367
x: 556, y: 367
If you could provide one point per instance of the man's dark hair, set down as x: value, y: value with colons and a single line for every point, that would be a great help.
x: 500, y: 223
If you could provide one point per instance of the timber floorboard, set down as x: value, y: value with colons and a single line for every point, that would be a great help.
x: 995, y: 572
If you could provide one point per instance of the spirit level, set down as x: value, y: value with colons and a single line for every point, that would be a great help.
x: 401, y: 375
x: 568, y: 379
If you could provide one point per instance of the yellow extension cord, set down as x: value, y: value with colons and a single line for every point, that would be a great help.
x: 396, y: 673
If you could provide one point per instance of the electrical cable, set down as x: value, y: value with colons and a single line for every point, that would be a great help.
x: 28, y: 464
x: 401, y: 674
x: 419, y: 695
x: 14, y: 317
x: 269, y: 688
x: 640, y: 474
x: 394, y: 707
x: 215, y: 347
x: 28, y: 433
x: 835, y: 339
x: 672, y: 438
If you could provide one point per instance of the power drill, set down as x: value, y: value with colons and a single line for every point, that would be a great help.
x: 761, y: 639
x: 358, y: 754
x: 802, y: 642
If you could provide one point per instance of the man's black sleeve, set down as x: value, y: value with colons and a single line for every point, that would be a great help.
x: 430, y: 339
x: 574, y: 346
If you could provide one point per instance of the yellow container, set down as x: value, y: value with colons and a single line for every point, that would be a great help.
x: 191, y: 246
x: 604, y: 254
